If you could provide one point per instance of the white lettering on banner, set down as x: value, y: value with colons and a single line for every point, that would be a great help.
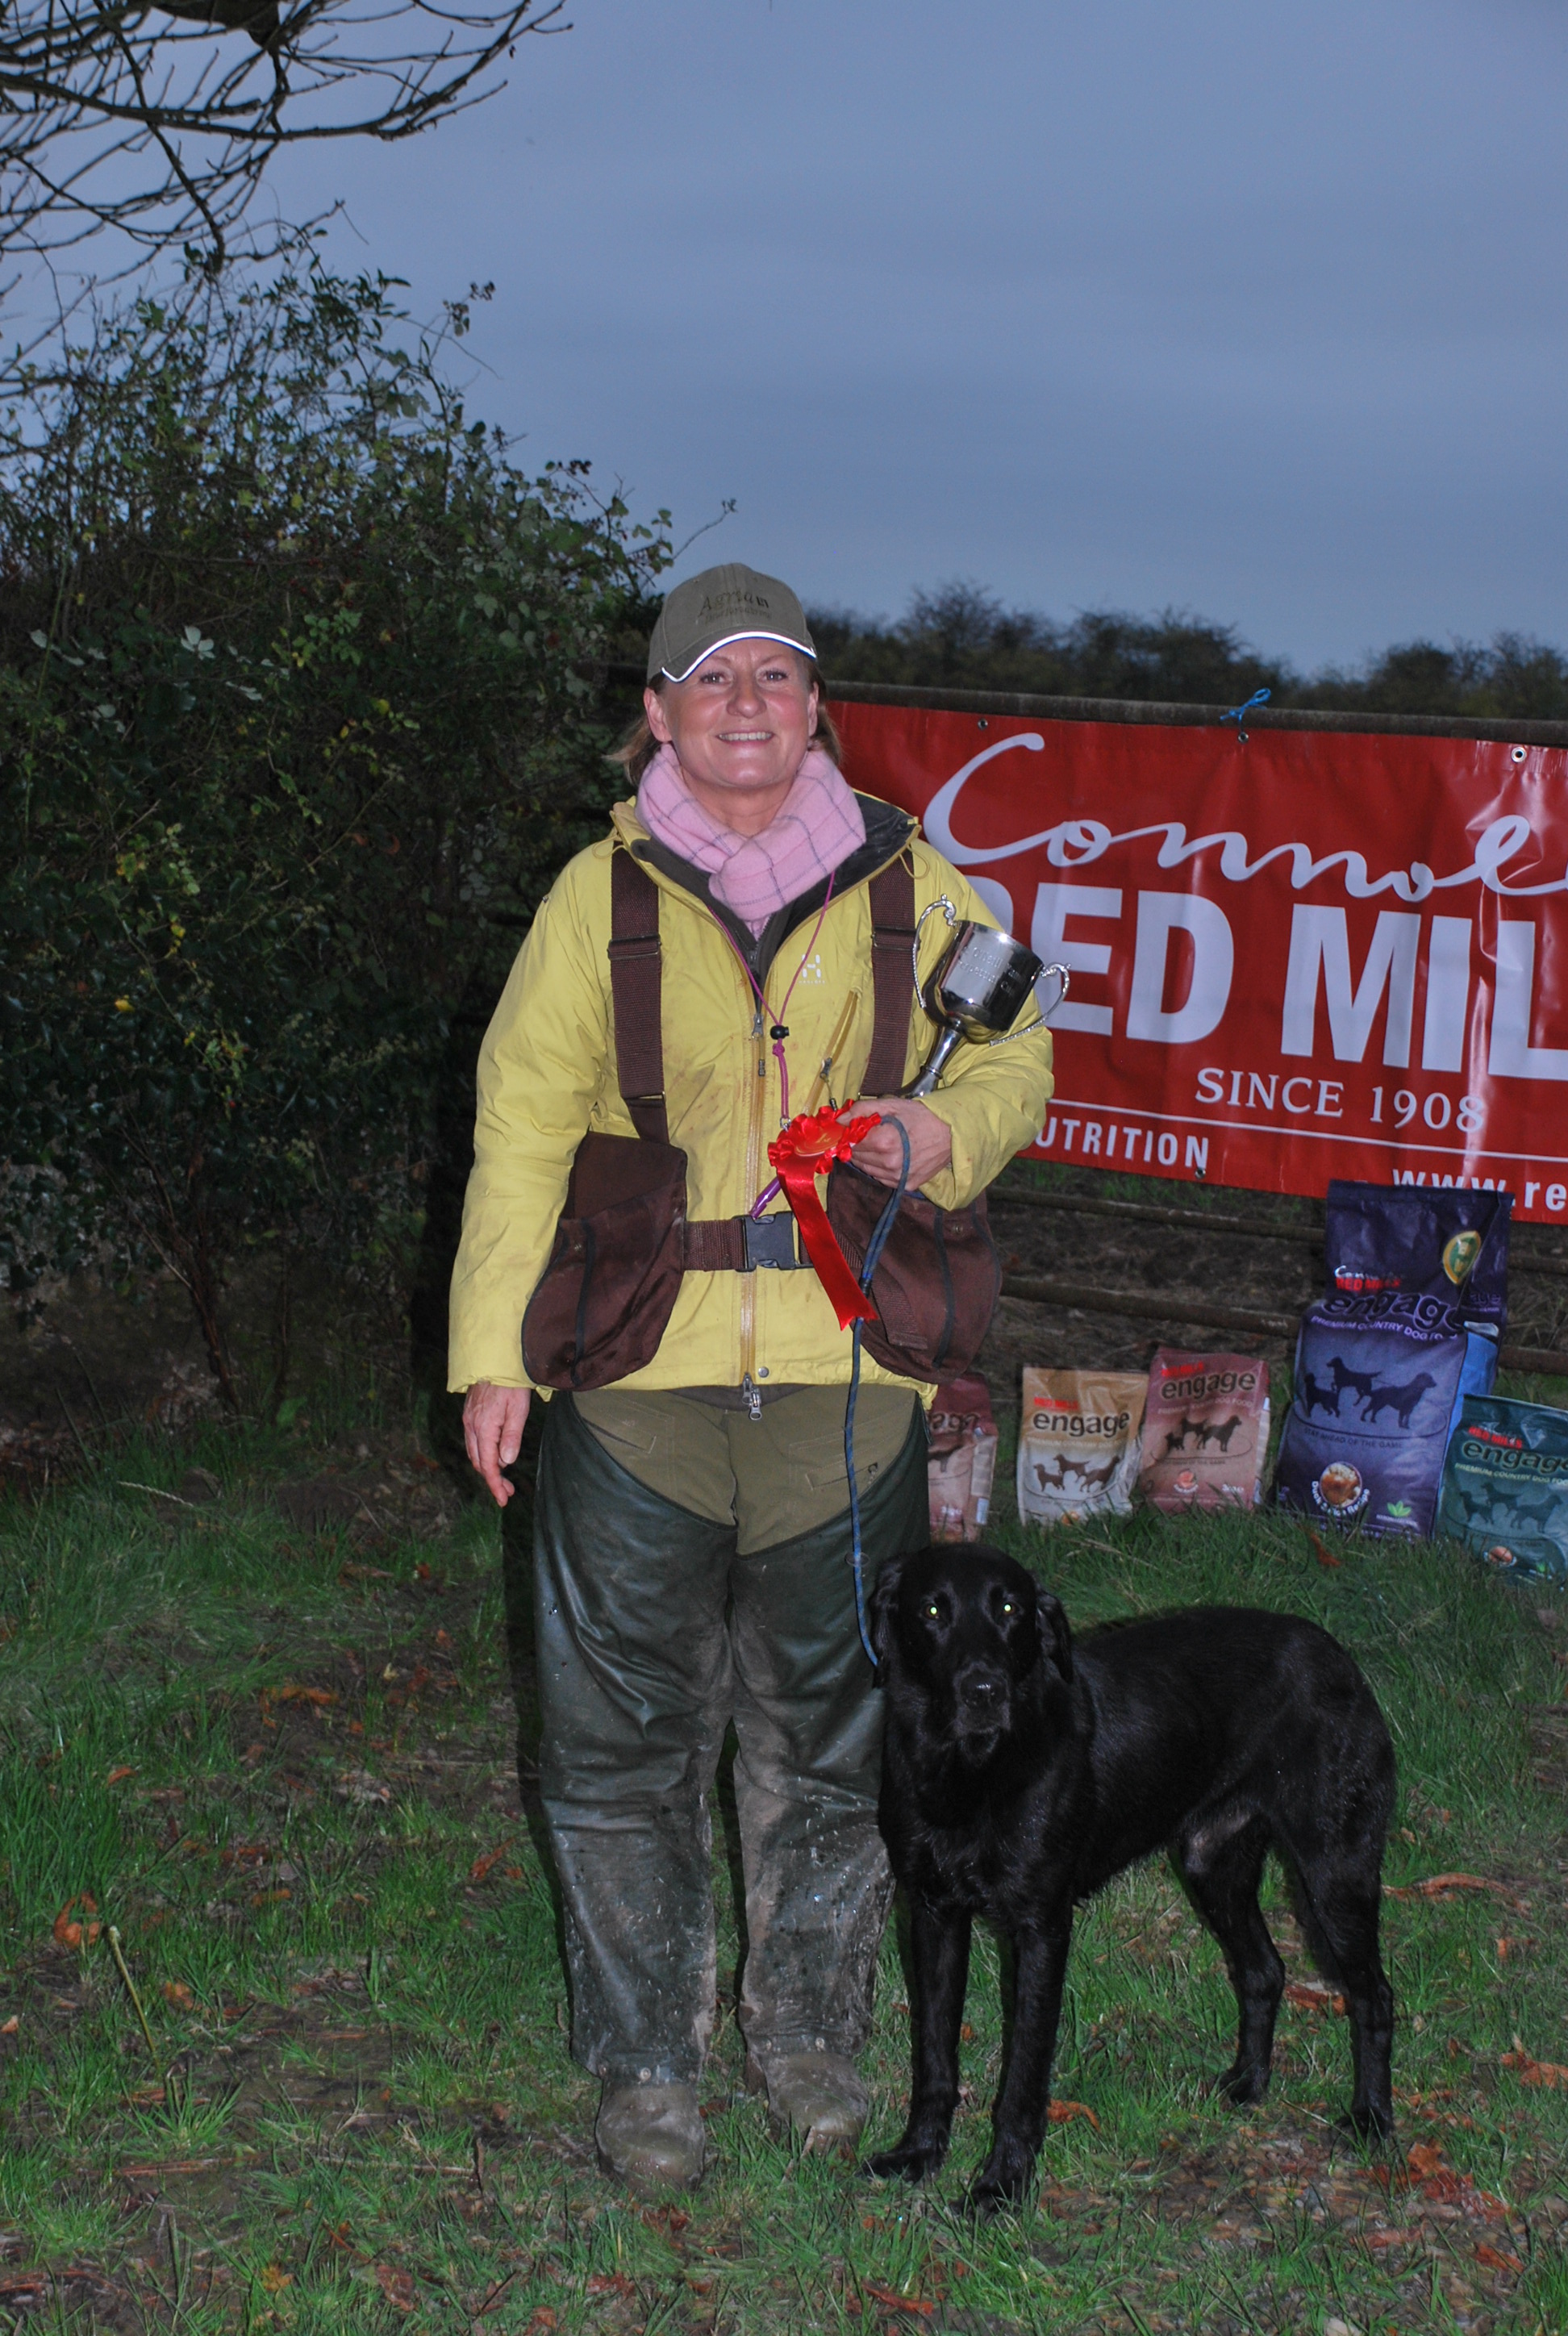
x: 1160, y: 914
x: 1319, y: 939
x: 1054, y: 904
x: 997, y: 897
x: 1447, y: 994
x: 1511, y: 1056
x: 1075, y: 842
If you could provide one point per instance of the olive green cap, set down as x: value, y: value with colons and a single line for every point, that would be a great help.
x: 731, y: 603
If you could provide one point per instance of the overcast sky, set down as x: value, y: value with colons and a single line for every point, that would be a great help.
x: 1251, y: 310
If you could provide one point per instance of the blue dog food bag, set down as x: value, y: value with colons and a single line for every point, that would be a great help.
x: 1506, y: 1486
x: 1377, y: 1379
x: 1417, y: 1240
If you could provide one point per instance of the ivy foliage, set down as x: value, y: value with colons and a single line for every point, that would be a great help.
x: 297, y: 718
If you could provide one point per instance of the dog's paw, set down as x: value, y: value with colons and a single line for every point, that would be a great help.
x: 910, y: 2162
x: 1002, y: 2184
x: 1375, y: 2127
x: 1241, y: 2086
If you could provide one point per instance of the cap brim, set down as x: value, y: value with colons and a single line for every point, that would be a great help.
x: 746, y: 633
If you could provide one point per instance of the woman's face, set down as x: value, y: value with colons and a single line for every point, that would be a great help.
x: 741, y: 724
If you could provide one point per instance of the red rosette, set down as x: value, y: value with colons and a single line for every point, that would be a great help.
x: 806, y: 1149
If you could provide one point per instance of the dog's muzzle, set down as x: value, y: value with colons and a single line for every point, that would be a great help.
x: 982, y: 1700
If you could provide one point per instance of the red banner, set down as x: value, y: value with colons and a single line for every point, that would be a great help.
x: 1299, y: 955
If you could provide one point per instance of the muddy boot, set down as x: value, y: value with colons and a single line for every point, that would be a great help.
x: 650, y: 2137
x: 817, y: 2096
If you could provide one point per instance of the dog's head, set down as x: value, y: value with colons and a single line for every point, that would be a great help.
x: 965, y: 1636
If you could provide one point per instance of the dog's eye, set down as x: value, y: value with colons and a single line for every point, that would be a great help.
x: 1008, y: 1607
x: 933, y: 1612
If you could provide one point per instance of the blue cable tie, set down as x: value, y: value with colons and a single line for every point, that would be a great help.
x: 1236, y: 714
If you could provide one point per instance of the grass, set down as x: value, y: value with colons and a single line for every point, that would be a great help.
x: 283, y: 1764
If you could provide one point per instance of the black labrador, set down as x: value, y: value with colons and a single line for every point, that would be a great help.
x: 1023, y: 1769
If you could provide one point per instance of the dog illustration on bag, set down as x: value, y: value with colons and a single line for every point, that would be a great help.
x: 1401, y: 1399
x: 1364, y: 1382
x: 1316, y: 1397
x: 1219, y: 1435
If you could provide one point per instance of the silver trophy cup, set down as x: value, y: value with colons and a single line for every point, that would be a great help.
x: 978, y: 990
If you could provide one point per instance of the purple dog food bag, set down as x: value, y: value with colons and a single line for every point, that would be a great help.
x: 1378, y: 1377
x: 1419, y: 1241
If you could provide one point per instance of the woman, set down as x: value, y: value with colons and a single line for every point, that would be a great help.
x: 692, y: 1537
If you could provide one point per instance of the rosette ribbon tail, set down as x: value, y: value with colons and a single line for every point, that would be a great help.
x: 807, y: 1148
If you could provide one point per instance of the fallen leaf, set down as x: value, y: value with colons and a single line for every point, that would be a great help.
x: 176, y: 1992
x: 611, y: 2283
x: 1497, y: 2258
x: 891, y: 2303
x: 669, y: 2221
x: 293, y: 1693
x: 118, y: 1776
x: 1063, y: 2112
x: 1311, y: 1995
x: 10, y: 2027
x: 72, y: 1933
x: 442, y: 1640
x: 397, y: 2286
x: 482, y: 1867
x: 544, y: 2319
x: 1446, y: 1885
x: 1425, y: 2159
x: 1548, y: 2073
x: 269, y: 1897
x: 1323, y: 1553
x: 1507, y: 1946
x: 275, y: 2279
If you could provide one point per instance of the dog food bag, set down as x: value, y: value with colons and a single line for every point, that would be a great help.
x: 1078, y: 1444
x: 1412, y: 1239
x: 961, y: 1466
x: 1377, y: 1378
x: 1506, y: 1486
x: 1206, y: 1431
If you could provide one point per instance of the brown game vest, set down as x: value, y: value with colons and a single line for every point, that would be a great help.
x: 624, y: 1239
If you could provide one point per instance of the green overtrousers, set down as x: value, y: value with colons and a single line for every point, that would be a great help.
x: 657, y: 1627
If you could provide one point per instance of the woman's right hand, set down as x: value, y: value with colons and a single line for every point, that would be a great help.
x: 493, y: 1419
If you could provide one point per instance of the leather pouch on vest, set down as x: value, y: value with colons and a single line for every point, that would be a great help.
x: 604, y: 1301
x: 936, y: 1284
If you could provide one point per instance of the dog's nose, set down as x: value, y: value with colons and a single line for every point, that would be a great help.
x: 980, y: 1693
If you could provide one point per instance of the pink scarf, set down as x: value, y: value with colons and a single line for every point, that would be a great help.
x: 754, y: 876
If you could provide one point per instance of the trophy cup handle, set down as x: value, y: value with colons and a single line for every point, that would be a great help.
x: 951, y: 914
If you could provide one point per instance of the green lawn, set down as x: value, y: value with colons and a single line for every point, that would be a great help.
x: 280, y: 1762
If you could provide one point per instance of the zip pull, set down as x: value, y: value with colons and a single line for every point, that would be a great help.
x: 753, y: 1395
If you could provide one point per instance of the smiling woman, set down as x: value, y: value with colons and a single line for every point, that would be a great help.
x: 740, y: 725
x: 717, y: 951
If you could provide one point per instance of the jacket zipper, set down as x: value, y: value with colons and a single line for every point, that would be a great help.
x: 753, y: 1148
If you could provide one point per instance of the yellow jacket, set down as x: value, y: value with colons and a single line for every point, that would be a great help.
x: 546, y: 1076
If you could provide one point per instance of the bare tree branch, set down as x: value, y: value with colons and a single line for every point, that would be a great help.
x: 161, y: 122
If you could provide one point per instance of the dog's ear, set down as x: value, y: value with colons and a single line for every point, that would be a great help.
x: 1055, y: 1638
x: 884, y: 1598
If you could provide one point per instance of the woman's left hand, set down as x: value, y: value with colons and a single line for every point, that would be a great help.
x: 881, y: 1154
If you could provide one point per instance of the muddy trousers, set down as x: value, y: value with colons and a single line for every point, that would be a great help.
x: 654, y: 1634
